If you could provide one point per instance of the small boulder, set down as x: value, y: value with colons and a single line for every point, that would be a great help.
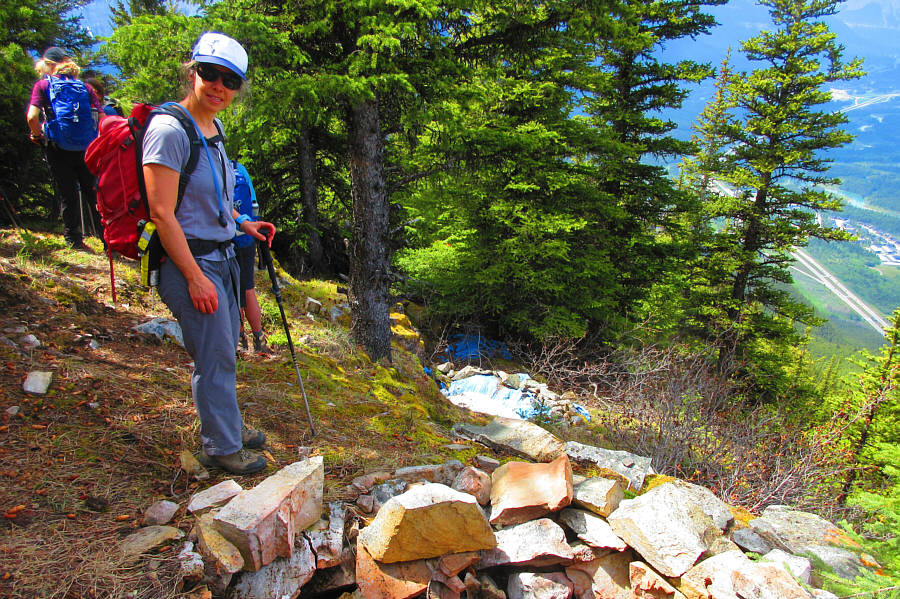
x: 453, y: 520
x: 218, y: 551
x: 666, y: 528
x: 401, y: 580
x: 591, y: 529
x: 748, y: 540
x: 599, y: 495
x: 796, y: 566
x: 475, y: 482
x: 540, y: 542
x: 282, y: 578
x: 328, y: 543
x: 631, y: 467
x: 262, y: 522
x: 606, y: 577
x: 160, y: 512
x: 486, y: 463
x: 646, y: 583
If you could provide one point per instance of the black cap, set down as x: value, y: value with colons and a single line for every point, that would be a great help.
x: 55, y: 54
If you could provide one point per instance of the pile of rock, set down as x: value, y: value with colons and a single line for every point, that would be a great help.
x: 524, y: 529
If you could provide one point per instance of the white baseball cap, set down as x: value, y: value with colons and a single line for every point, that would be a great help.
x: 220, y: 49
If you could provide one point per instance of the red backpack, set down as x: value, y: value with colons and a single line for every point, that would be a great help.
x: 115, y: 158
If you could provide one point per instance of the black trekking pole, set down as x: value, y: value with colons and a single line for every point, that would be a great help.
x: 10, y: 210
x: 276, y: 290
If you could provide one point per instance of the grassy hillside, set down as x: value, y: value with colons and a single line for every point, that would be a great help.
x: 87, y: 458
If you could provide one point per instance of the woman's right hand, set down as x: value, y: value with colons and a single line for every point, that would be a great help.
x: 203, y: 294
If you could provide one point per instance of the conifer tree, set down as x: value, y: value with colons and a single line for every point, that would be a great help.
x: 773, y: 160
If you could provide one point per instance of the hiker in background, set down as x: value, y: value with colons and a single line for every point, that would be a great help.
x: 245, y: 248
x: 62, y: 116
x: 109, y: 106
x: 199, y: 276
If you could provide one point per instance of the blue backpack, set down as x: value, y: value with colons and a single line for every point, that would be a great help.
x: 71, y: 125
x: 244, y: 201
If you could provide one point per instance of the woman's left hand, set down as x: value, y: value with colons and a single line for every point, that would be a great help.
x: 259, y: 229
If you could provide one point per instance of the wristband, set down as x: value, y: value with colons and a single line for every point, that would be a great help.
x: 241, y: 220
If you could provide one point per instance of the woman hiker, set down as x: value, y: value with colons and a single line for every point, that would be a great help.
x: 65, y: 137
x: 199, y: 276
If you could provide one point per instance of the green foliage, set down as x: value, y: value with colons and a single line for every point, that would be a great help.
x: 551, y: 220
x: 765, y: 136
x: 883, y: 518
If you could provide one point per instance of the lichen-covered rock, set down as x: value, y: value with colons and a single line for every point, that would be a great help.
x: 631, y: 467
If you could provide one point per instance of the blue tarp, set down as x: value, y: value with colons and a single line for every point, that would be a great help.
x: 468, y: 347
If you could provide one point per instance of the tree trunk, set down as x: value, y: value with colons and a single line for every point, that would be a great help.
x: 309, y: 197
x: 369, y: 250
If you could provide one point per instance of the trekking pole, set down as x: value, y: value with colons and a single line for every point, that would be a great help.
x: 276, y: 290
x: 10, y: 210
x: 81, y: 209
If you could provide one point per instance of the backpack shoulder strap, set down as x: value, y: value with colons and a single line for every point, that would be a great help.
x: 175, y: 110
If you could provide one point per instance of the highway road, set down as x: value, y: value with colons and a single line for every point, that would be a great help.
x: 814, y: 270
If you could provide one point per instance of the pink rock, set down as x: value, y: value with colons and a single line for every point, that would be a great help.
x: 606, y: 577
x: 522, y: 491
x: 400, y: 580
x: 474, y: 482
x: 539, y: 542
x: 262, y: 522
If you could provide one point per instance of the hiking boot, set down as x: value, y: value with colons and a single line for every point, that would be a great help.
x: 239, y: 462
x: 252, y: 438
x: 242, y: 344
x: 259, y: 344
x: 81, y: 247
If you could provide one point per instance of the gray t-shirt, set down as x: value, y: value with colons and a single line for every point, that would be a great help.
x: 166, y: 143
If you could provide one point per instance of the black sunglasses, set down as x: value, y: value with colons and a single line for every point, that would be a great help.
x: 210, y: 73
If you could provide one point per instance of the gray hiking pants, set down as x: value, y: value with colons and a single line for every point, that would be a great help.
x: 211, y: 340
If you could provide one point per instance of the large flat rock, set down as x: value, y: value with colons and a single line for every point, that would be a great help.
x: 632, y: 468
x: 519, y: 437
x: 427, y: 521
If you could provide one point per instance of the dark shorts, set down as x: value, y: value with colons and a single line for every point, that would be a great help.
x: 246, y: 257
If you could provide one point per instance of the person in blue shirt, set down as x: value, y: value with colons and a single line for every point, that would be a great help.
x: 245, y: 250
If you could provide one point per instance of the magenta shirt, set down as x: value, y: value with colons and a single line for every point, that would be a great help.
x: 40, y: 95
